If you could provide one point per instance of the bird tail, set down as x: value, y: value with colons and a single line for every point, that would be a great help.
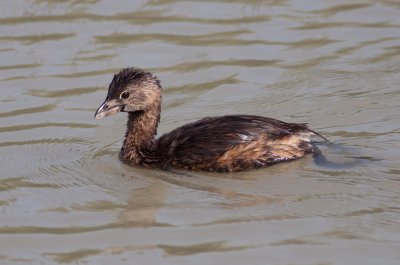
x: 319, y: 135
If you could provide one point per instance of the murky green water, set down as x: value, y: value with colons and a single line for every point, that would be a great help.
x: 66, y: 198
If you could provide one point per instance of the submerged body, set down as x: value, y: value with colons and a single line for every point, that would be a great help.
x: 226, y: 143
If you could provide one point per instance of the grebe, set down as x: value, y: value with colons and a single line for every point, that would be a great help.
x: 223, y: 144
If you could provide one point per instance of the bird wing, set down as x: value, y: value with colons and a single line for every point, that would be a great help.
x: 204, y: 141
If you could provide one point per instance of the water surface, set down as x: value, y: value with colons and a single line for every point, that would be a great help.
x: 65, y: 198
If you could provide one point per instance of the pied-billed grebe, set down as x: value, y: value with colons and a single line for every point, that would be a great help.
x: 226, y: 143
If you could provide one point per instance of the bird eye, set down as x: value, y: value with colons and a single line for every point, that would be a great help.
x: 124, y: 95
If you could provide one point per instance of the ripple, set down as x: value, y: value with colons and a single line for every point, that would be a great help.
x: 136, y: 17
x: 195, y: 66
x: 96, y: 58
x: 308, y: 63
x: 70, y: 257
x: 249, y: 219
x: 18, y: 77
x: 74, y: 229
x: 77, y: 255
x: 295, y: 241
x: 352, y: 49
x: 331, y: 11
x: 25, y: 127
x: 50, y: 18
x: 363, y: 134
x: 26, y: 111
x: 6, y: 49
x: 71, y: 171
x: 70, y: 92
x: 233, y: 199
x: 388, y: 54
x: 20, y: 182
x: 342, y: 234
x: 30, y: 39
x: 19, y: 66
x: 325, y: 25
x: 42, y: 142
x: 80, y: 74
x: 70, y: 2
x: 309, y: 43
x: 212, y: 39
x: 251, y: 2
x: 365, y: 212
x: 151, y: 17
x: 215, y: 246
x: 99, y: 206
x: 204, y: 86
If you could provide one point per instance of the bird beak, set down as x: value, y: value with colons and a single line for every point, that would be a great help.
x: 108, y: 108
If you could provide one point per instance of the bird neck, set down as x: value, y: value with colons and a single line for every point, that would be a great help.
x: 141, y: 129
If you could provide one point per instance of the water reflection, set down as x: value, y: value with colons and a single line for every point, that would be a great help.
x: 143, y: 204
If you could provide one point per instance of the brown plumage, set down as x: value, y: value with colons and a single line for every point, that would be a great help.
x: 226, y: 143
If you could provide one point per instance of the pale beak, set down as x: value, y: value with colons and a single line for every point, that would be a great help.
x: 108, y: 108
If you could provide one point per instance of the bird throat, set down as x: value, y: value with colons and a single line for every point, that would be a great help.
x: 140, y: 133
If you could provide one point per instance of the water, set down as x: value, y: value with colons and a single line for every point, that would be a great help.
x: 66, y: 198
